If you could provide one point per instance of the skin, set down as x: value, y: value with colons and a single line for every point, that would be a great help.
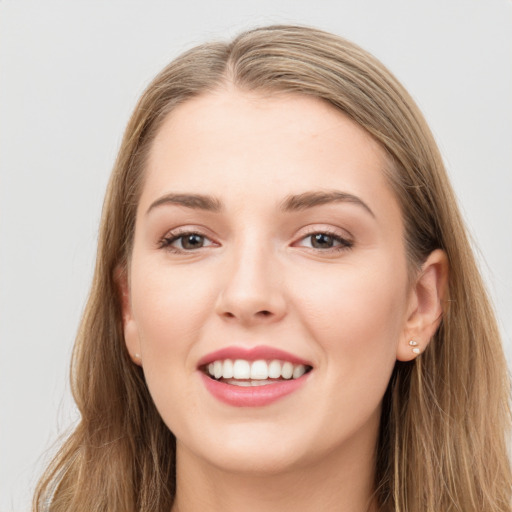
x: 258, y: 280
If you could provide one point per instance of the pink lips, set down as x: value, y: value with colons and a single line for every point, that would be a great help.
x: 253, y: 396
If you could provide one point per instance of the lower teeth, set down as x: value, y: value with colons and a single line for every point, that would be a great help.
x: 249, y: 383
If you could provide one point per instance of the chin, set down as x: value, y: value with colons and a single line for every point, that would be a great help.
x: 245, y: 449
x: 256, y: 461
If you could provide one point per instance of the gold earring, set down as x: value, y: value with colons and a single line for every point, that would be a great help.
x: 415, y: 348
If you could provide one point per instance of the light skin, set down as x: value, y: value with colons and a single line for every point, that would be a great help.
x: 271, y: 172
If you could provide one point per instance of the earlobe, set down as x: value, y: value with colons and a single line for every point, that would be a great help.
x: 130, y: 331
x: 425, y: 306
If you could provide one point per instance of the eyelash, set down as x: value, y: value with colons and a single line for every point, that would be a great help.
x: 167, y: 241
x: 345, y: 244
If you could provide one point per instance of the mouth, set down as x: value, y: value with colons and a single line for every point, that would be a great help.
x: 252, y: 377
x: 261, y: 372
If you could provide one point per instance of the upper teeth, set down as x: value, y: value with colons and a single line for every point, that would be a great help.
x: 255, y: 370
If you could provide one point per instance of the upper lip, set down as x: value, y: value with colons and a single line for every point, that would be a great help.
x: 251, y: 354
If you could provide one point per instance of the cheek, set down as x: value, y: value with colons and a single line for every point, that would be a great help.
x: 170, y: 306
x: 356, y: 318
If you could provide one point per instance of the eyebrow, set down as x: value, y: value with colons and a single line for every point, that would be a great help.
x: 320, y: 197
x: 193, y: 201
x: 289, y: 204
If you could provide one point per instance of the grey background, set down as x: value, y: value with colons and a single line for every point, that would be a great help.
x: 70, y: 73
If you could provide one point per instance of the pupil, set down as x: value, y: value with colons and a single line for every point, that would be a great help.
x: 192, y: 241
x: 321, y: 240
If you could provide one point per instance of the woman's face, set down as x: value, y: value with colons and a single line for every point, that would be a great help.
x: 266, y: 231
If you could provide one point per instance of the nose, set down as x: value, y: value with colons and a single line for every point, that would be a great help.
x: 252, y: 290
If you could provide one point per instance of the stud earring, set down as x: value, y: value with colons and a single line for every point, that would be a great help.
x: 415, y: 348
x: 137, y: 356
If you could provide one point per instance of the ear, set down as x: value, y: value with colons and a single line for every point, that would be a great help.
x: 425, y: 309
x: 131, y: 335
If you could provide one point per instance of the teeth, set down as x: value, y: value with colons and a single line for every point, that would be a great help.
x: 287, y: 370
x: 259, y: 370
x: 298, y: 371
x: 227, y: 371
x: 241, y: 369
x: 249, y: 383
x: 217, y: 369
x: 274, y: 369
x: 246, y: 373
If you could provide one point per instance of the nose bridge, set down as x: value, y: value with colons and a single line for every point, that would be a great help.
x: 252, y: 289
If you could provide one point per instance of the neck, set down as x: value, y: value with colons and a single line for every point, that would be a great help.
x: 342, y: 481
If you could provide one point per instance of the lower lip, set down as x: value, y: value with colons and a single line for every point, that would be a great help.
x: 251, y: 396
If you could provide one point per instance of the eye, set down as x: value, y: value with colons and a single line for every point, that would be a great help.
x: 326, y: 241
x: 184, y: 242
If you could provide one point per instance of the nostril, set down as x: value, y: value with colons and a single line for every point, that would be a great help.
x: 257, y: 315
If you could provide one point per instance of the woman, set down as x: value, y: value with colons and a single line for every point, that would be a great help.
x: 285, y: 311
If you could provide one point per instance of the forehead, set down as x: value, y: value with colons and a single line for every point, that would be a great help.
x: 236, y: 144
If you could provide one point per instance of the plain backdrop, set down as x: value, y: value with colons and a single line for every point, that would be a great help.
x: 70, y: 73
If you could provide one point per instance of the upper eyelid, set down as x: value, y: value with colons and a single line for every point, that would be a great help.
x: 305, y: 231
x: 181, y: 231
x: 331, y: 230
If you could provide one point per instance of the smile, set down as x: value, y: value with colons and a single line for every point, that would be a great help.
x: 242, y: 372
x: 252, y: 377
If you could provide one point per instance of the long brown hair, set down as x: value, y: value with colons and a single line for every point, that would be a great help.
x: 446, y: 416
